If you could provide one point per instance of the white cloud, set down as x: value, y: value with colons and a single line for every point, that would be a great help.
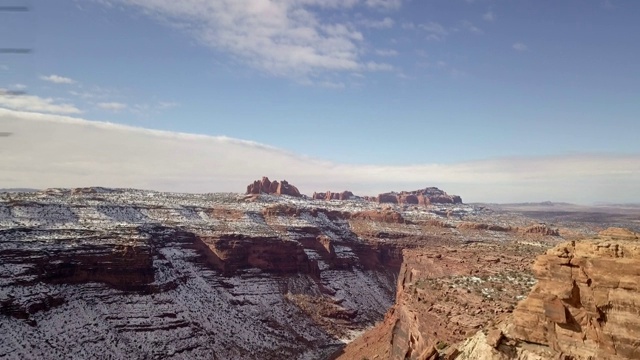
x: 19, y: 86
x: 408, y: 25
x: 436, y: 32
x: 384, y: 4
x: 520, y: 47
x: 332, y: 84
x: 23, y: 102
x: 489, y: 16
x: 112, y: 106
x: 385, y: 23
x: 56, y: 79
x: 374, y: 66
x: 284, y: 38
x: 83, y: 154
x: 386, y: 52
x: 469, y: 26
x: 164, y: 105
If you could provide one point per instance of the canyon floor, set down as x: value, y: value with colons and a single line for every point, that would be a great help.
x: 123, y: 273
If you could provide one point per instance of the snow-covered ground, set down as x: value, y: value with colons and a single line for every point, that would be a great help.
x: 189, y: 309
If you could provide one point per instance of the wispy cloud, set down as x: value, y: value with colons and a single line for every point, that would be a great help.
x: 374, y: 66
x: 332, y: 84
x: 164, y: 105
x: 23, y: 102
x: 57, y: 79
x: 384, y: 4
x: 435, y: 30
x: 85, y: 156
x: 112, y: 106
x: 489, y: 16
x: 385, y: 23
x: 386, y: 52
x: 469, y: 26
x: 284, y: 38
x: 608, y: 4
x: 520, y: 47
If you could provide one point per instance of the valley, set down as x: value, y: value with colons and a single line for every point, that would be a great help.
x: 139, y: 274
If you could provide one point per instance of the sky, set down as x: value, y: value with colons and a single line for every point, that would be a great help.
x: 494, y: 100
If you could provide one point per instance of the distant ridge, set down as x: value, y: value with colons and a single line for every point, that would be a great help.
x: 542, y: 203
x: 12, y: 190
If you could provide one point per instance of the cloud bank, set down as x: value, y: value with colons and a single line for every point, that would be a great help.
x: 60, y: 151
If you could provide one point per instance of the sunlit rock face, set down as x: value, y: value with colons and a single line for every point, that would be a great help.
x: 585, y: 305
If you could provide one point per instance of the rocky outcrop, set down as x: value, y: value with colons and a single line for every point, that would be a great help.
x: 345, y: 195
x: 483, y: 226
x: 265, y: 186
x: 541, y: 229
x: 586, y: 305
x: 538, y: 229
x: 619, y: 234
x: 430, y: 195
x: 587, y: 300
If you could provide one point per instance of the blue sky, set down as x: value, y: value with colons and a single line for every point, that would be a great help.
x: 360, y: 82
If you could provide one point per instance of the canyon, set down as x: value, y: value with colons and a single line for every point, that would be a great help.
x: 274, y: 274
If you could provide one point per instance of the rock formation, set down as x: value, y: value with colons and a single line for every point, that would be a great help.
x: 345, y: 195
x: 586, y: 305
x: 265, y: 186
x: 430, y: 195
x: 541, y: 229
